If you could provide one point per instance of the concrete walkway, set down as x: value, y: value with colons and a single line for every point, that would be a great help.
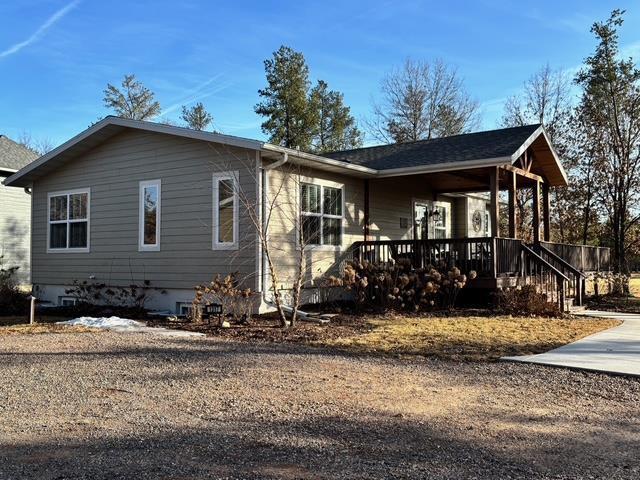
x: 616, y: 350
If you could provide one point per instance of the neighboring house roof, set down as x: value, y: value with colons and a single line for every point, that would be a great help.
x: 475, y: 150
x: 457, y: 148
x: 14, y: 156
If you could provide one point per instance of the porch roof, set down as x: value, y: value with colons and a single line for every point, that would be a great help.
x: 461, y: 152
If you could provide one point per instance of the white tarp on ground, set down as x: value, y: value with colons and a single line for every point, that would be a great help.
x: 126, y: 325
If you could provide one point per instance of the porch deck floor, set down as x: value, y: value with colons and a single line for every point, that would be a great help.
x: 615, y: 351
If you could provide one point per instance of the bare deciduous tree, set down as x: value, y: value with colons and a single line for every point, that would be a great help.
x: 277, y: 227
x: 546, y: 99
x: 37, y: 145
x: 422, y: 100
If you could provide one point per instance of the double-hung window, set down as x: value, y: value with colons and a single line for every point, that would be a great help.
x: 225, y: 211
x: 149, y: 216
x: 68, y: 221
x: 321, y: 214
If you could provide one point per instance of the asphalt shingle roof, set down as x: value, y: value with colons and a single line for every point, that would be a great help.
x: 13, y: 155
x: 458, y: 148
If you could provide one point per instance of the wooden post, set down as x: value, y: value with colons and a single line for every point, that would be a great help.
x: 536, y: 212
x: 494, y: 183
x: 546, y: 212
x: 366, y: 210
x: 513, y: 188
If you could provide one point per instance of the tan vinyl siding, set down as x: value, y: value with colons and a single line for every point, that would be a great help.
x: 15, y: 211
x: 392, y: 199
x: 113, y: 171
x: 460, y: 222
x: 283, y: 184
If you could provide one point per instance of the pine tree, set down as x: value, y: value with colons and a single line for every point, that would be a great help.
x: 197, y: 117
x: 610, y: 112
x: 336, y: 128
x: 290, y: 121
x: 134, y: 101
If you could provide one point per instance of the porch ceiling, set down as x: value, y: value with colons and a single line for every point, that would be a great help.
x: 471, y: 180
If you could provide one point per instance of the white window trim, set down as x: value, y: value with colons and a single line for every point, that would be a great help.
x: 322, y: 183
x: 216, y: 178
x: 86, y: 249
x: 142, y: 247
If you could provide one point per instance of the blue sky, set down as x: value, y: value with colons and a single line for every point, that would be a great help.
x: 56, y: 56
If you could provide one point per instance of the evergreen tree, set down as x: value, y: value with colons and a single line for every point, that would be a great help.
x: 609, y: 111
x: 290, y: 121
x: 134, y: 101
x: 197, y: 117
x: 336, y: 128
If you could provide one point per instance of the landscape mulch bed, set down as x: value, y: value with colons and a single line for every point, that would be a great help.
x: 266, y: 328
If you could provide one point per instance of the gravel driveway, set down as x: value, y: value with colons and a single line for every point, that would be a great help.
x: 109, y: 405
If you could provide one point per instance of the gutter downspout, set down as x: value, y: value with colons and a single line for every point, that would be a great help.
x: 265, y: 197
x: 279, y: 163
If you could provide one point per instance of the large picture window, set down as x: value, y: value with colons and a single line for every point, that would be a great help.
x: 69, y: 221
x: 225, y: 211
x: 321, y: 214
x: 149, y: 216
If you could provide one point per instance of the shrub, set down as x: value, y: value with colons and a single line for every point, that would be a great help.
x: 12, y: 300
x: 399, y: 287
x: 130, y: 298
x: 237, y: 302
x: 526, y: 301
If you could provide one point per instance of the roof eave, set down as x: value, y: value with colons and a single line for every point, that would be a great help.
x: 444, y: 167
x: 527, y: 143
x: 302, y: 157
x: 14, y: 180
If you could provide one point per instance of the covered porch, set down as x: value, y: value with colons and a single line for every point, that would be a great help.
x: 499, y: 256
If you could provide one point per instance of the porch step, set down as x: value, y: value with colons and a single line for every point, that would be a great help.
x: 571, y: 308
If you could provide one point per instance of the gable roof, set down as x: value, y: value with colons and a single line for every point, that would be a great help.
x: 469, y: 150
x: 14, y: 156
x: 484, y: 149
x: 457, y: 148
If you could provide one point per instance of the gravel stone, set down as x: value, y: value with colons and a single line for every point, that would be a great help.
x: 120, y: 406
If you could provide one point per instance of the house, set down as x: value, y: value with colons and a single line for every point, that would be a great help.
x: 126, y: 202
x: 15, y: 210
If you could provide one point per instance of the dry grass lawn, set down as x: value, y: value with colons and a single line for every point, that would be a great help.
x: 467, y: 338
x: 17, y: 326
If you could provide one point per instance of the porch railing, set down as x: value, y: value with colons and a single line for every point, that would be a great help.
x: 466, y: 254
x: 586, y: 258
x: 558, y: 270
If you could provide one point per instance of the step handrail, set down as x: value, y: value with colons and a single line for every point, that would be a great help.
x: 562, y: 261
x: 544, y: 262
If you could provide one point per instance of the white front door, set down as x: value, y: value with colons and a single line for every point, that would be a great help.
x: 431, y: 219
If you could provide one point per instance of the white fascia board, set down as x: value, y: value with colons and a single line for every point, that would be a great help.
x: 527, y: 143
x: 445, y: 167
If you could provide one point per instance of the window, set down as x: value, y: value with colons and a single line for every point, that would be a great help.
x: 68, y: 221
x: 184, y: 308
x: 225, y: 211
x: 149, y: 216
x: 321, y: 214
x: 67, y: 301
